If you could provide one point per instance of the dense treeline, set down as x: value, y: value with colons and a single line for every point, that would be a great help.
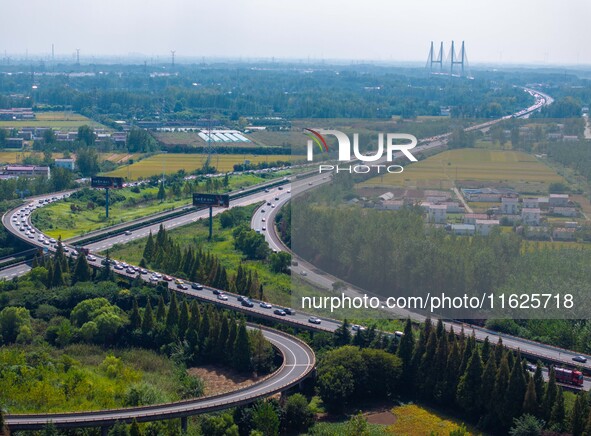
x: 22, y: 187
x: 395, y: 253
x: 576, y: 155
x: 291, y: 91
x: 196, y: 265
x: 487, y: 384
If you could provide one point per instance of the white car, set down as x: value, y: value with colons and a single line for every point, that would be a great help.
x: 265, y: 305
x: 91, y: 258
x: 222, y: 297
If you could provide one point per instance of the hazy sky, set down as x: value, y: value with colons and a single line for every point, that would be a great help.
x: 507, y: 31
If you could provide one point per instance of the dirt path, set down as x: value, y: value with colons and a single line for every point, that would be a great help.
x: 461, y: 198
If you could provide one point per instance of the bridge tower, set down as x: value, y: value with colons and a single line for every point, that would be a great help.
x: 431, y: 60
x: 463, y: 59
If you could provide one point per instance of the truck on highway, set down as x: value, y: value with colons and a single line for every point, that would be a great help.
x: 569, y: 376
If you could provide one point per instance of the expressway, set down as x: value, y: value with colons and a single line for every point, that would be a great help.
x: 298, y: 358
x: 298, y: 363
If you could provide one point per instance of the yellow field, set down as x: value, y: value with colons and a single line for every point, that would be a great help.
x: 11, y: 157
x: 443, y: 169
x: 412, y: 419
x: 171, y: 163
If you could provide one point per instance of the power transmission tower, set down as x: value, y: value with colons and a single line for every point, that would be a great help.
x: 78, y: 56
x: 172, y: 52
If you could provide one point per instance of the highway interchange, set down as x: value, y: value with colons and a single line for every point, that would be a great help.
x: 298, y: 358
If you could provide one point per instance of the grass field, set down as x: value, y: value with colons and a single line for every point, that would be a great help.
x: 57, y: 219
x: 172, y: 163
x: 520, y: 170
x: 74, y: 378
x: 57, y: 120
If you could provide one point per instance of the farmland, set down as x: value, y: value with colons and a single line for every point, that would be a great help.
x: 172, y: 163
x: 57, y: 120
x: 17, y: 156
x: 473, y: 166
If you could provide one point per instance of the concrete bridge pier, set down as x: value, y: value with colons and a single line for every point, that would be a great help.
x: 184, y: 424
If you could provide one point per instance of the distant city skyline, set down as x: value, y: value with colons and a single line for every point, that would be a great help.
x: 496, y: 32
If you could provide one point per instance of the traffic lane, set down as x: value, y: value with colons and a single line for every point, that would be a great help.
x: 11, y: 272
x: 143, y: 232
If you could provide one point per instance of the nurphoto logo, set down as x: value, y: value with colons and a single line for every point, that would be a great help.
x: 392, y: 147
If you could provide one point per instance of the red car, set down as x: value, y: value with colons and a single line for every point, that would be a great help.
x: 167, y: 278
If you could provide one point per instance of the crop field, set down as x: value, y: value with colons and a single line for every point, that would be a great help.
x: 57, y: 120
x: 119, y: 158
x: 172, y: 163
x: 17, y: 156
x: 520, y: 170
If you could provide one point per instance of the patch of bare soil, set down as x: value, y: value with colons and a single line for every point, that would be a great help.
x: 221, y: 380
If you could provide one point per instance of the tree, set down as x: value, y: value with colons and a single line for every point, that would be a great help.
x: 280, y: 262
x: 530, y: 402
x: 148, y: 321
x: 161, y: 311
x: 119, y: 429
x: 515, y: 391
x: 140, y: 141
x: 134, y: 429
x: 161, y: 192
x: 550, y: 395
x: 342, y: 335
x: 498, y: 395
x: 86, y: 135
x: 469, y: 387
x: 404, y: 352
x: 184, y: 319
x: 335, y: 386
x: 172, y: 317
x: 149, y: 248
x: 135, y: 320
x: 81, y: 270
x: 297, y: 415
x: 49, y: 430
x: 265, y: 419
x: 49, y: 136
x: 219, y: 425
x: 488, y: 381
x: 87, y: 161
x: 526, y: 425
x: 578, y: 417
x: 61, y: 178
x: 14, y: 321
x: 558, y: 411
x: 242, y: 353
x: 357, y: 426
